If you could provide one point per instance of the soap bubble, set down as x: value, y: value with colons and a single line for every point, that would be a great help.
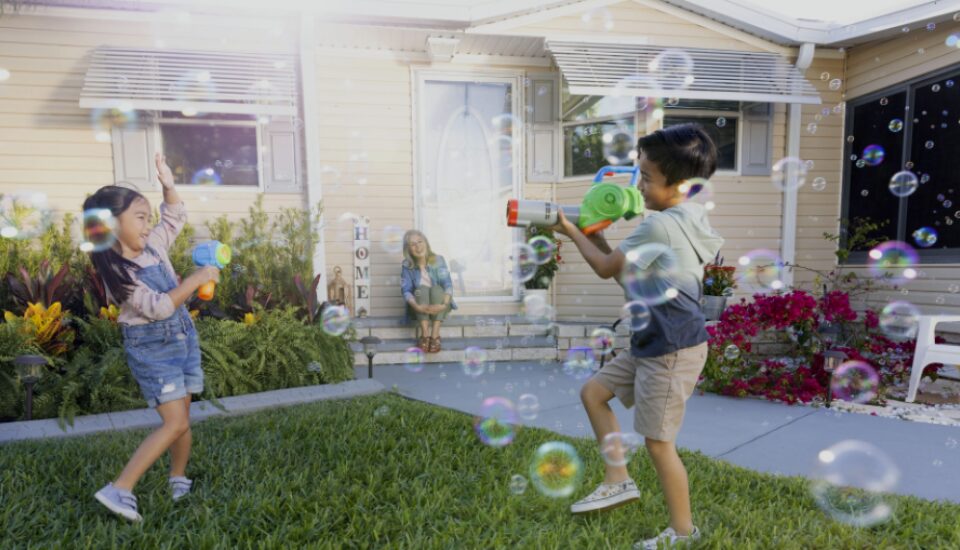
x: 518, y: 484
x: 849, y: 482
x: 789, y: 173
x: 534, y: 307
x: 99, y: 230
x: 580, y: 363
x: 597, y: 19
x: 602, y: 340
x: 413, y: 359
x: 731, y: 352
x: 899, y: 320
x: 824, y: 76
x: 335, y: 320
x: 649, y: 273
x: 392, y: 239
x: 528, y: 407
x: 762, y: 268
x: 618, y: 448
x: 854, y: 381
x: 895, y: 125
x: 835, y: 84
x: 873, y: 155
x: 543, y: 248
x: 24, y: 215
x: 819, y: 184
x: 474, y: 361
x: 206, y: 176
x: 894, y: 260
x: 104, y: 120
x: 925, y: 237
x: 698, y: 190
x: 812, y: 128
x: 524, y: 260
x: 619, y: 146
x: 636, y: 314
x: 721, y: 122
x: 903, y: 183
x: 928, y: 144
x: 672, y: 69
x: 4, y: 74
x: 556, y: 469
x: 497, y: 424
x: 381, y: 411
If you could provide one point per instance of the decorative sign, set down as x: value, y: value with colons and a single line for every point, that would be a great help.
x: 361, y: 265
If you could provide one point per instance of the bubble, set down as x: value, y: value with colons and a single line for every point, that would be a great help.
x: 206, y: 176
x: 556, y: 469
x: 950, y: 443
x: 935, y: 88
x: 854, y: 381
x: 602, y: 340
x: 721, y: 122
x: 335, y: 320
x: 543, y: 248
x: 580, y: 363
x: 474, y: 361
x: 392, y: 239
x: 649, y: 273
x: 895, y: 125
x: 672, y: 69
x: 903, y: 183
x: 381, y: 411
x: 636, y: 314
x: 103, y: 120
x: 949, y: 83
x: 99, y: 230
x: 314, y: 366
x: 861, y: 163
x: 884, y: 101
x: 4, y: 74
x: 850, y: 139
x: 954, y: 288
x: 598, y: 19
x: 618, y: 448
x: 497, y: 424
x: 518, y: 484
x: 762, y: 268
x: 894, y: 260
x: 931, y: 26
x: 413, y: 359
x: 812, y: 128
x: 835, y: 84
x: 524, y: 260
x: 534, y: 307
x: 873, y: 155
x: 925, y: 237
x: 528, y: 407
x: 849, y: 482
x: 789, y: 173
x: 928, y: 144
x: 700, y: 191
x: 24, y: 215
x: 819, y: 184
x: 824, y: 76
x: 899, y: 320
x: 731, y: 352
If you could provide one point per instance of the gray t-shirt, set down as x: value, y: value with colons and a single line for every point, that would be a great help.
x: 678, y: 322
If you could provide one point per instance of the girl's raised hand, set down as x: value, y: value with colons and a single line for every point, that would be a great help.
x: 164, y: 174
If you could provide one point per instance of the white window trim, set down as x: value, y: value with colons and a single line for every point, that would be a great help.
x: 259, y: 188
x: 452, y: 73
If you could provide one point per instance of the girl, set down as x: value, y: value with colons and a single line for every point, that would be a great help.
x: 158, y: 334
x: 426, y: 287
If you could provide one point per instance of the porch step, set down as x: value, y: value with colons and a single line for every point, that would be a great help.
x: 457, y: 326
x: 508, y: 348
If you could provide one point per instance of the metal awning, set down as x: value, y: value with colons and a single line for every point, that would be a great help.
x: 177, y: 80
x: 687, y: 73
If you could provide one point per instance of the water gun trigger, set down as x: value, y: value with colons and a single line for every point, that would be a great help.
x: 597, y: 227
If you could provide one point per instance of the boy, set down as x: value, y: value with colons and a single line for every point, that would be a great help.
x: 666, y: 358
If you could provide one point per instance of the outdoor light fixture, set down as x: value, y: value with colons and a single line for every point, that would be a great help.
x: 370, y: 344
x: 831, y: 360
x: 29, y: 368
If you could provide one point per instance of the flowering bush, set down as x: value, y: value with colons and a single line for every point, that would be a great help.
x: 545, y: 271
x: 718, y: 279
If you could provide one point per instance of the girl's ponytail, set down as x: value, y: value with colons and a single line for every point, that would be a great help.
x: 110, y: 266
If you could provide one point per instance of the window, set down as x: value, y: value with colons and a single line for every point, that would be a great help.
x: 597, y: 131
x: 212, y: 149
x: 719, y: 119
x: 914, y: 128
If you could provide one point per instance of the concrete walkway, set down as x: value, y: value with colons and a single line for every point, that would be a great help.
x: 764, y: 436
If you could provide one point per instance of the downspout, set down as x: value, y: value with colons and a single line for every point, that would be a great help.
x: 788, y: 236
x: 311, y: 143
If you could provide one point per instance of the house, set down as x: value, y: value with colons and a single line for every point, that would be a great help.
x: 432, y: 115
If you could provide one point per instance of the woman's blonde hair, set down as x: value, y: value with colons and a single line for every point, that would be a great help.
x: 407, y: 256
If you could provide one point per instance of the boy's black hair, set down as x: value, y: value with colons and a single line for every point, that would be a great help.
x: 110, y: 265
x: 681, y: 152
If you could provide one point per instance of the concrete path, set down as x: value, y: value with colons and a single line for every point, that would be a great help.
x: 764, y: 436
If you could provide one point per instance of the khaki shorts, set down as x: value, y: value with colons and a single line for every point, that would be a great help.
x: 657, y: 388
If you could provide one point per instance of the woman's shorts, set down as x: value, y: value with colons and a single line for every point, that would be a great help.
x: 164, y: 357
x: 657, y: 388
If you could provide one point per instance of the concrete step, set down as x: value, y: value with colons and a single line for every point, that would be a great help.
x: 454, y: 327
x: 508, y: 348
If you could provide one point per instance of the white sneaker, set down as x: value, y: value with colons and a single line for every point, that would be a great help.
x: 669, y: 538
x: 119, y: 501
x: 607, y: 496
x: 180, y: 486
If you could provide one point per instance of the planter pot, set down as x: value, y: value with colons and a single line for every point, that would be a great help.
x: 538, y: 304
x: 713, y: 306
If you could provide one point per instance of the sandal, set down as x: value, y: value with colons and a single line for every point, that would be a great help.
x: 435, y: 345
x: 424, y: 344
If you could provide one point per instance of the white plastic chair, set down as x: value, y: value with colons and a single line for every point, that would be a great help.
x: 928, y: 352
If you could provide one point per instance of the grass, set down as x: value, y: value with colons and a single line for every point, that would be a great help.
x: 336, y: 475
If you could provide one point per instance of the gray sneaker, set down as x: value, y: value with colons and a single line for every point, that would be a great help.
x: 180, y: 487
x: 669, y: 538
x: 606, y: 497
x: 119, y: 501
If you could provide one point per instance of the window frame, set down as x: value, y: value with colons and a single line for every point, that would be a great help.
x: 737, y: 115
x: 594, y: 120
x: 157, y: 119
x: 926, y: 256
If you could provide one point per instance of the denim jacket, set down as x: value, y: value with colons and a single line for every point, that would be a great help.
x: 439, y: 275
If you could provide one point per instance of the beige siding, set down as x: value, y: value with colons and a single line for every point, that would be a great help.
x: 47, y: 141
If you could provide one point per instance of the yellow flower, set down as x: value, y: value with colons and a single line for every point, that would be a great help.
x: 194, y: 313
x: 9, y: 316
x: 111, y: 313
x: 45, y: 325
x: 249, y: 318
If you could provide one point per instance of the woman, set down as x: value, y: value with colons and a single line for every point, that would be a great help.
x: 426, y: 287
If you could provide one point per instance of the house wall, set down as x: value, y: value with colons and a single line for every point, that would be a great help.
x: 47, y: 141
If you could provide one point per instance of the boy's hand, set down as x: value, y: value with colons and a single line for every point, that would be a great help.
x: 563, y: 225
x: 164, y: 174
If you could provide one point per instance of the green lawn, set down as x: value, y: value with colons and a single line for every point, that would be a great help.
x: 335, y: 475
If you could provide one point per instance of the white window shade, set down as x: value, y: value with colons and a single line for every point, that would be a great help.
x: 631, y: 70
x: 179, y: 80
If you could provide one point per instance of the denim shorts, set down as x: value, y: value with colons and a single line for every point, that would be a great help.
x: 164, y: 357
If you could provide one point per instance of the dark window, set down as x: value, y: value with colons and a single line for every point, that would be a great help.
x: 723, y: 131
x: 589, y: 147
x: 211, y: 154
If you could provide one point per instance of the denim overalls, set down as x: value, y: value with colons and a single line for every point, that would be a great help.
x: 164, y: 356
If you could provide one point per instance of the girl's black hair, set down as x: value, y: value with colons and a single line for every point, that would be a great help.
x: 681, y: 152
x: 109, y: 264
